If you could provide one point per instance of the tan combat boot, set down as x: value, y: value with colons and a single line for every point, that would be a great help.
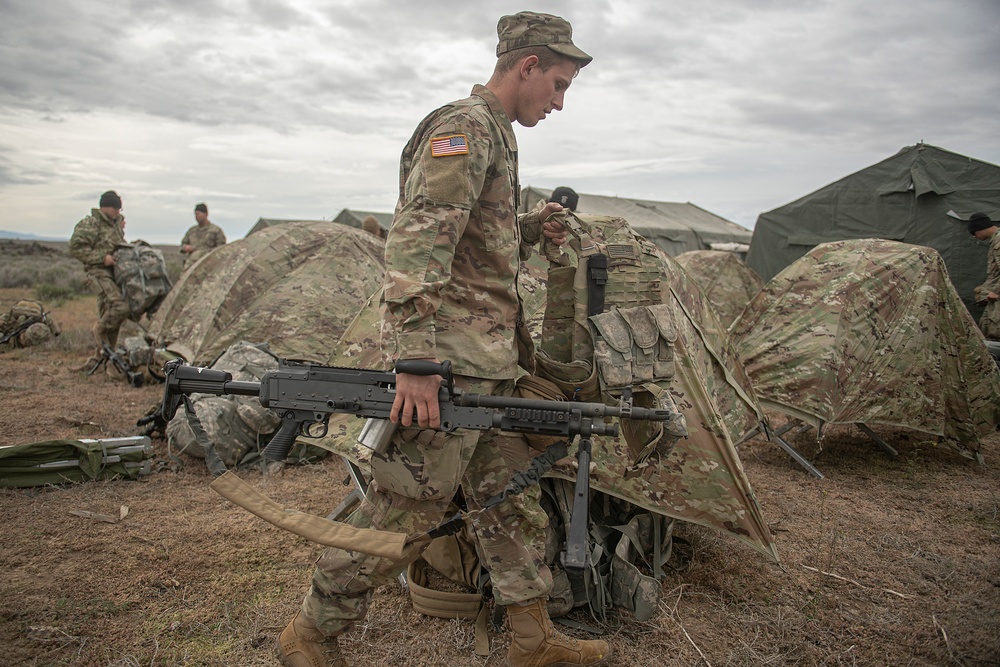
x: 300, y: 644
x: 536, y: 644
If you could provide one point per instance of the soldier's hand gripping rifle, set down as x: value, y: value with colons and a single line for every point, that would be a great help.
x: 305, y: 395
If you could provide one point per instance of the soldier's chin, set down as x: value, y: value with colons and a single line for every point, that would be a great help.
x: 530, y: 122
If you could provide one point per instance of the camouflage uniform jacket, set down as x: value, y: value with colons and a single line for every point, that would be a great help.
x: 452, y: 253
x: 989, y: 322
x: 94, y: 237
x: 203, y: 239
x: 992, y: 283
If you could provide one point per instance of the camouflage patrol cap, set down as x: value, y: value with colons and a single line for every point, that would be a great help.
x: 524, y: 29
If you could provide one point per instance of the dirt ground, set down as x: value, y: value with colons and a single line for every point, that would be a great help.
x: 884, y: 562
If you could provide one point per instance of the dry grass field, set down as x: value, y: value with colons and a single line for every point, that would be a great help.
x: 884, y: 562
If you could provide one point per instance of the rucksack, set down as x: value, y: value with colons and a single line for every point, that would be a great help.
x: 629, y: 552
x: 141, y: 273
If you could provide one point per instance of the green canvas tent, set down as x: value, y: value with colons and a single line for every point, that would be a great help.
x: 674, y: 226
x: 907, y: 197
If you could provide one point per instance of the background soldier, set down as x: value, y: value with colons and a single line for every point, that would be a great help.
x: 370, y: 225
x: 94, y: 241
x: 988, y: 293
x: 567, y: 197
x: 202, y: 237
x: 26, y: 324
x: 452, y: 257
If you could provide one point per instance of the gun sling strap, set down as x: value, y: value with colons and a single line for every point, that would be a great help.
x: 374, y: 542
x: 314, y: 528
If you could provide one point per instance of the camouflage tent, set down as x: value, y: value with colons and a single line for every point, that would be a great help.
x: 725, y: 280
x: 701, y: 480
x: 871, y: 332
x: 295, y: 286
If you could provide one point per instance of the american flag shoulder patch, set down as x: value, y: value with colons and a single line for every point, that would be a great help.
x: 452, y: 144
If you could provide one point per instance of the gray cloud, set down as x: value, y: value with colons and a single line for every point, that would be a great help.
x: 294, y: 105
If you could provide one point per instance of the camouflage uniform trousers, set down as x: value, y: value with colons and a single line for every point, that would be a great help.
x: 412, y: 487
x: 112, y: 310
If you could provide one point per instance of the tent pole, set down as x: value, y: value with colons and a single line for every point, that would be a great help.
x: 878, y: 441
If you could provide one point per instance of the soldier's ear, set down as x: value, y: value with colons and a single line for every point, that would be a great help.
x: 528, y: 63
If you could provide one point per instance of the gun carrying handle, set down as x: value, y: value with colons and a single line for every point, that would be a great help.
x: 427, y: 367
x: 281, y: 443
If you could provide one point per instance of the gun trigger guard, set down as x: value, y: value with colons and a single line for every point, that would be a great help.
x: 315, y: 429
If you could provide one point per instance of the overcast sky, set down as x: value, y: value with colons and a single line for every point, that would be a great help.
x: 267, y: 108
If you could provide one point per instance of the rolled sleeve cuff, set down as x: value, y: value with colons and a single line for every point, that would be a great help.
x: 531, y: 228
x: 416, y: 345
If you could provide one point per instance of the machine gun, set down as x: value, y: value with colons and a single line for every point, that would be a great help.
x: 108, y: 355
x: 305, y: 395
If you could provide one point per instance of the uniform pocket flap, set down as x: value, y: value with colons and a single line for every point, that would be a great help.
x: 614, y: 330
x: 664, y: 321
x: 644, y: 327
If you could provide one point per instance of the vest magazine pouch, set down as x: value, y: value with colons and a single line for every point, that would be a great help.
x: 633, y: 346
x: 577, y: 379
x: 663, y: 362
x: 612, y: 350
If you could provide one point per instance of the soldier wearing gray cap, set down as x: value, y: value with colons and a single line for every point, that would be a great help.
x: 450, y: 293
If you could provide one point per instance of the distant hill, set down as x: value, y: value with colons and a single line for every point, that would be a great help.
x: 4, y: 234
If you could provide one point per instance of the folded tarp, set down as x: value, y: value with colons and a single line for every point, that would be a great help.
x: 63, y: 461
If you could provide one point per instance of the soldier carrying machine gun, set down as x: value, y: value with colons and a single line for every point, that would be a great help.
x: 305, y: 395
